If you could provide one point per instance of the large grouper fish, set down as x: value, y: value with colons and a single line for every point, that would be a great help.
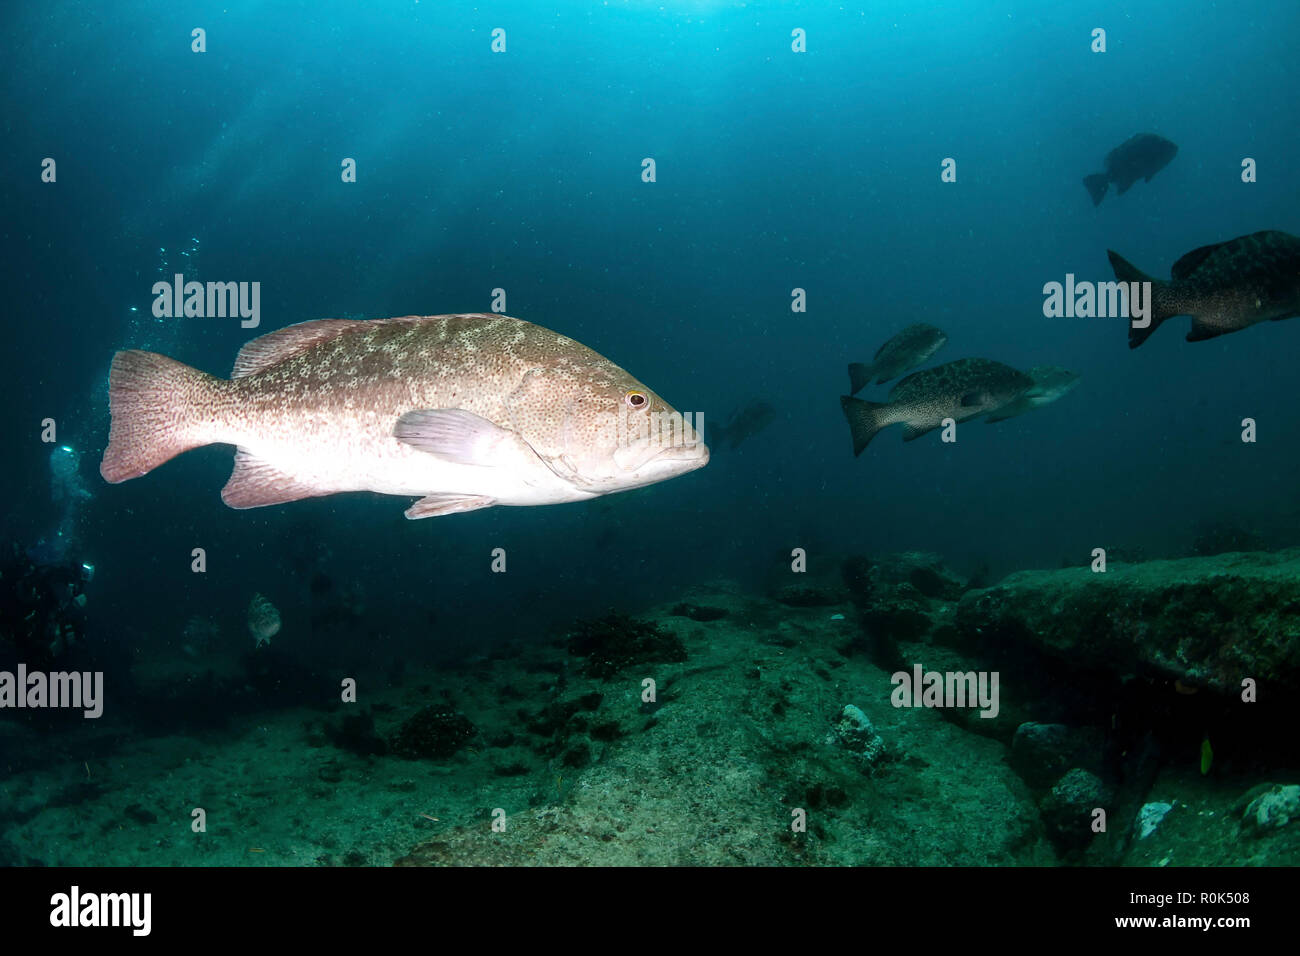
x: 1225, y: 287
x: 960, y: 390
x: 1139, y: 157
x: 465, y: 411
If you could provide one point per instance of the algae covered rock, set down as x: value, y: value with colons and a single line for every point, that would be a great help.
x: 432, y: 732
x: 805, y: 595
x: 699, y: 612
x: 855, y: 733
x: 1067, y: 809
x: 1150, y: 817
x: 1273, y: 809
x: 1209, y: 622
x: 900, y: 597
x: 1040, y: 753
x: 616, y: 641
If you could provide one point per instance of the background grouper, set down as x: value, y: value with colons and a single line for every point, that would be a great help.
x: 467, y: 411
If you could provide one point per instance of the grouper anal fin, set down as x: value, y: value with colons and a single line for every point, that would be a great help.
x: 255, y: 484
x: 434, y: 506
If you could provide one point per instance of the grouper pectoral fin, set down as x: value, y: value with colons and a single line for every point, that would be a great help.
x: 255, y: 484
x: 457, y: 436
x: 433, y: 506
x: 1007, y: 411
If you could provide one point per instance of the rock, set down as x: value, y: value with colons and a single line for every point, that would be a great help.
x: 1011, y: 710
x: 1149, y: 818
x: 1273, y: 809
x: 855, y: 734
x: 1205, y: 621
x: 899, y: 611
x: 802, y: 595
x: 1067, y: 810
x: 924, y: 572
x: 1041, y: 753
x: 699, y: 612
x: 901, y: 597
x: 616, y: 641
x: 432, y: 732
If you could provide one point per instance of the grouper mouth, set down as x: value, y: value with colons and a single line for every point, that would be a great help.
x: 642, y: 455
x: 635, y: 465
x: 696, y: 452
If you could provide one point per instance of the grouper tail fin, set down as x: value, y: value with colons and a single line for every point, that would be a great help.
x: 159, y: 409
x: 859, y: 376
x: 865, y: 420
x: 1125, y: 271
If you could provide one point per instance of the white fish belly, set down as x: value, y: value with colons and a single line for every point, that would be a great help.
x: 353, y: 455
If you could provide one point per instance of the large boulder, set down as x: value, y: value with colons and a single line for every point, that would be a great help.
x: 1209, y: 622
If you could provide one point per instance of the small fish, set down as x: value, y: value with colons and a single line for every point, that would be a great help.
x: 1207, y: 756
x: 1224, y: 287
x: 960, y: 390
x: 263, y: 620
x: 467, y: 411
x: 1140, y: 157
x: 906, y: 350
x: 743, y: 423
x: 1050, y: 383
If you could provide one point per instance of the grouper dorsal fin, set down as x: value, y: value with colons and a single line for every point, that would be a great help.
x: 1189, y: 263
x: 274, y: 347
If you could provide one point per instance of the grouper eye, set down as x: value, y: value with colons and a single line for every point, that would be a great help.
x: 635, y: 399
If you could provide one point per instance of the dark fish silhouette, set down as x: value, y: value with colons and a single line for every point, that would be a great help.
x: 906, y: 350
x: 744, y: 423
x: 1140, y: 157
x: 1050, y: 383
x: 1223, y: 287
x: 960, y: 390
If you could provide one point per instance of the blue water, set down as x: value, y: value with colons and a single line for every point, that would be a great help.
x: 776, y: 170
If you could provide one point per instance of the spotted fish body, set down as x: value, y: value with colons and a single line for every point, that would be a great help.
x: 960, y: 390
x: 465, y: 411
x: 1224, y: 287
x: 906, y: 350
